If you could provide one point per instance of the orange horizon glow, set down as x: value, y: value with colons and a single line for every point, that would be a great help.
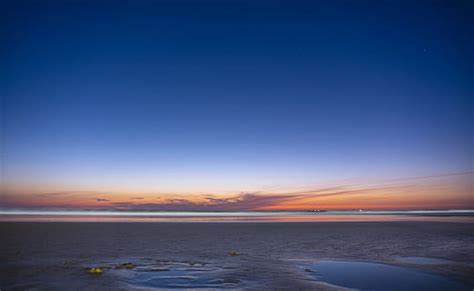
x: 437, y: 192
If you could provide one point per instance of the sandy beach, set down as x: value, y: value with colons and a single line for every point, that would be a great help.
x: 55, y: 255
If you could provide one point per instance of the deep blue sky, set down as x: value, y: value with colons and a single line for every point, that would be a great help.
x: 234, y: 95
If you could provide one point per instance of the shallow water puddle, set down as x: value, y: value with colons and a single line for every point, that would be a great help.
x: 182, y: 275
x: 373, y: 276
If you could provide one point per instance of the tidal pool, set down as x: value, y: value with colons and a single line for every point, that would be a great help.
x: 374, y: 276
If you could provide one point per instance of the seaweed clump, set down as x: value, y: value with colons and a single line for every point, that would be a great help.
x: 94, y: 270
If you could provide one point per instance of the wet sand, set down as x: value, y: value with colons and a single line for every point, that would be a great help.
x: 269, y: 256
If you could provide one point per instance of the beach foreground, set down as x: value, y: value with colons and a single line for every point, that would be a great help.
x: 56, y: 255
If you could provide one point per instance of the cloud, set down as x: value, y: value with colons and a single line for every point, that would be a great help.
x: 208, y: 202
x: 68, y: 194
x: 102, y: 200
x: 240, y: 202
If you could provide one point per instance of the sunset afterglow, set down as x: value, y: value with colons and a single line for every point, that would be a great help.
x: 162, y: 106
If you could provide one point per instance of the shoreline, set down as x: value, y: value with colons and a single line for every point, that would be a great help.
x: 289, y: 218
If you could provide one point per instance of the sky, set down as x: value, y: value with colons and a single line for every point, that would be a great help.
x: 236, y: 105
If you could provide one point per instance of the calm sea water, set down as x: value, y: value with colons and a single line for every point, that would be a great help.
x: 250, y: 216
